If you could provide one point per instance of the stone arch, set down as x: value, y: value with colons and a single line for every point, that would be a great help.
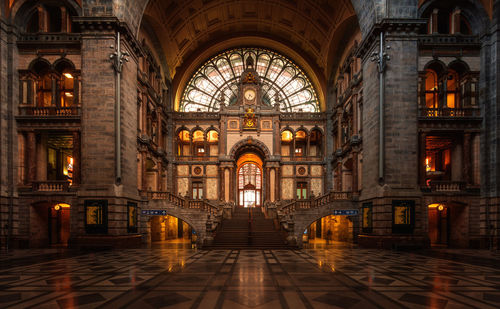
x: 302, y: 128
x: 210, y: 128
x: 304, y: 218
x: 320, y: 130
x: 22, y: 10
x: 32, y: 67
x: 472, y: 10
x: 287, y: 128
x: 437, y: 66
x: 250, y: 144
x: 195, y: 218
x: 60, y: 64
x: 459, y: 66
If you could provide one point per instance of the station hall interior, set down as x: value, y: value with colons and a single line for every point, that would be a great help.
x: 216, y: 144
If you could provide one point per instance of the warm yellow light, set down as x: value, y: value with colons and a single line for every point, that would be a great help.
x: 427, y: 164
x: 68, y: 75
x: 434, y: 205
x: 286, y: 136
x: 71, y: 161
x: 61, y: 205
x: 68, y: 94
x: 440, y: 207
x: 65, y: 172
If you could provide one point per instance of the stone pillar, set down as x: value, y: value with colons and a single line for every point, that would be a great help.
x: 434, y: 21
x: 99, y: 100
x: 144, y: 177
x: 421, y: 161
x: 31, y: 152
x: 354, y: 172
x: 76, y: 158
x: 401, y: 159
x: 272, y: 185
x: 467, y: 164
x: 268, y: 184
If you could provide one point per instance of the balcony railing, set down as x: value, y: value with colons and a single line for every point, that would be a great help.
x: 446, y: 186
x: 316, y: 202
x: 50, y: 186
x: 449, y: 112
x: 181, y: 201
x: 49, y: 111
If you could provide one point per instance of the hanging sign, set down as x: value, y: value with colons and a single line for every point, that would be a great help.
x: 153, y: 212
x: 345, y: 212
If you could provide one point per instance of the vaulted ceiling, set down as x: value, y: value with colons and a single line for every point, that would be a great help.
x: 306, y: 27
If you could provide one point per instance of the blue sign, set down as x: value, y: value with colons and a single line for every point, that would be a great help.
x: 153, y: 212
x: 346, y: 212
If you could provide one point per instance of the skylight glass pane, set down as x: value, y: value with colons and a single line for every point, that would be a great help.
x: 221, y: 75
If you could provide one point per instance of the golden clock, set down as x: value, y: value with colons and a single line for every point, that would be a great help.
x: 249, y: 95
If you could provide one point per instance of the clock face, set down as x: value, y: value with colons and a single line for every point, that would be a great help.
x: 249, y: 94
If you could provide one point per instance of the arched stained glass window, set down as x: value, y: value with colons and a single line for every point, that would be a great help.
x: 216, y: 82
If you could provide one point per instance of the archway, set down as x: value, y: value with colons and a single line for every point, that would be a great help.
x: 250, y: 180
x: 171, y: 232
x: 329, y: 230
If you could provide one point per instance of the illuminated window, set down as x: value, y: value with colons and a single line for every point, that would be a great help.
x: 431, y: 89
x: 301, y: 190
x: 221, y: 74
x: 452, y: 98
x: 249, y: 185
x: 286, y: 136
x: 183, y: 143
x: 197, y: 190
x: 213, y: 136
x: 300, y: 143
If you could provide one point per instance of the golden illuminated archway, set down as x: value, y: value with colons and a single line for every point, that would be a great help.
x: 249, y: 180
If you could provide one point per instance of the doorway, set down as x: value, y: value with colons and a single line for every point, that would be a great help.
x: 50, y: 225
x: 249, y: 179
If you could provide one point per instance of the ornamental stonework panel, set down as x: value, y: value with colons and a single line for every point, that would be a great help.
x: 287, y: 170
x: 316, y: 170
x: 197, y: 170
x: 182, y: 186
x: 287, y: 189
x: 211, y: 170
x: 182, y: 170
x: 212, y: 189
x: 317, y: 186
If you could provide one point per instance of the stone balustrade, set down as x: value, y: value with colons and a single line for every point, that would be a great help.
x: 182, y: 202
x: 50, y: 186
x: 449, y: 112
x: 49, y: 111
x: 321, y: 201
x: 447, y: 186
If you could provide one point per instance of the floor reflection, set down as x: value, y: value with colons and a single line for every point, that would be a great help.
x: 173, y: 274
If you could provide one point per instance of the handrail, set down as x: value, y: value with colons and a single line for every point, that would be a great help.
x: 182, y: 202
x: 315, y: 202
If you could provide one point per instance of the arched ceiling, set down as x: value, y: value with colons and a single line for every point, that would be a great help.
x: 187, y: 29
x: 307, y: 24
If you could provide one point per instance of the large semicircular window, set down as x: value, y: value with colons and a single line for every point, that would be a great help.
x: 216, y: 82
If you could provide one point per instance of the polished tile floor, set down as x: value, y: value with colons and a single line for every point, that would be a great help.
x: 318, y: 277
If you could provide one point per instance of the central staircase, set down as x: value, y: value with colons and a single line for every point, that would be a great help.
x: 248, y: 229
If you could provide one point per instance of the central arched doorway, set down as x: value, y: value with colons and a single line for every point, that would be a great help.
x: 249, y: 180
